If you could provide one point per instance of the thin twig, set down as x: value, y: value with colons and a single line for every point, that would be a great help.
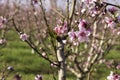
x: 44, y: 14
x: 112, y: 4
x: 67, y: 11
x: 58, y: 13
x: 48, y: 27
x: 72, y: 11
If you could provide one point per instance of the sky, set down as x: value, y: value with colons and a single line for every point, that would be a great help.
x: 47, y: 5
x: 60, y: 3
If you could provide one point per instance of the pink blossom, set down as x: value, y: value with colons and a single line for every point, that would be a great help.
x: 112, y: 10
x: 72, y: 35
x: 64, y: 27
x: 113, y: 76
x: 83, y: 36
x: 24, y: 36
x: 57, y: 30
x: 111, y: 23
x: 38, y: 77
x: 108, y: 20
x: 61, y: 28
x: 118, y: 67
x: 116, y: 77
x: 110, y: 77
x: 2, y: 21
x: 82, y: 25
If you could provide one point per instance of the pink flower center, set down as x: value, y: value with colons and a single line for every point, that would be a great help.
x: 82, y: 34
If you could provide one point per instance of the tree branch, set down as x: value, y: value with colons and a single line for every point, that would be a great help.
x: 111, y: 4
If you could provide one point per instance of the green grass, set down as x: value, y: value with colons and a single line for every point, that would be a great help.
x: 114, y: 54
x: 18, y: 54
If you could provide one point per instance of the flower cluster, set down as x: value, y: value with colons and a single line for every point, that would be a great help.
x: 61, y: 28
x: 82, y: 35
x: 113, y: 76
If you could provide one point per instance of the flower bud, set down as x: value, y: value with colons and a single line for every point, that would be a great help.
x: 44, y: 54
x: 10, y: 68
x: 24, y: 36
x: 38, y: 77
x: 2, y: 41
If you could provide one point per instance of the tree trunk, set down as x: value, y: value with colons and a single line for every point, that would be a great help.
x: 61, y: 59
